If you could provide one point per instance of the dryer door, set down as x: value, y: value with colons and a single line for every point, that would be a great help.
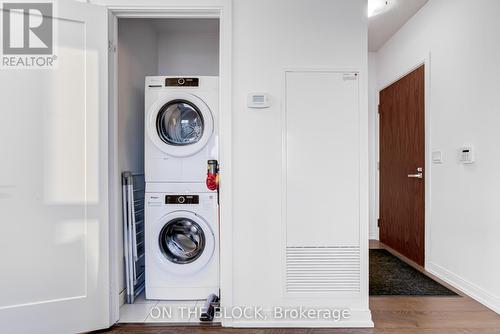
x: 186, y: 242
x: 180, y: 124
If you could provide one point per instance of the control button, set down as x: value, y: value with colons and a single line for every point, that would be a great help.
x: 181, y: 81
x: 181, y: 199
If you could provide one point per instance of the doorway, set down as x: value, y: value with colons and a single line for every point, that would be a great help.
x: 180, y: 26
x: 402, y: 164
x: 397, y: 259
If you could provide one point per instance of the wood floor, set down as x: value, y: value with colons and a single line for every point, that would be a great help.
x: 392, y: 315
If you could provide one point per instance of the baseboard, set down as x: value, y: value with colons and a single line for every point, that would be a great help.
x: 374, y: 234
x: 302, y: 324
x: 359, y: 319
x: 466, y: 287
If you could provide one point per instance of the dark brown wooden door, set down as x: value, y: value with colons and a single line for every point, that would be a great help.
x: 402, y: 160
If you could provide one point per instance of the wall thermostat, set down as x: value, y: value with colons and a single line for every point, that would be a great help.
x: 466, y: 155
x: 258, y: 100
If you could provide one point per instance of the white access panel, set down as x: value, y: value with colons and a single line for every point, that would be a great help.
x: 322, y: 160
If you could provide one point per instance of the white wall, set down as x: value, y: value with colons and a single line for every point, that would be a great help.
x: 137, y: 57
x: 373, y: 135
x: 462, y: 37
x: 269, y: 36
x: 188, y: 47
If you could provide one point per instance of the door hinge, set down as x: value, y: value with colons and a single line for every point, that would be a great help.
x: 379, y: 109
x: 378, y: 222
x: 111, y: 47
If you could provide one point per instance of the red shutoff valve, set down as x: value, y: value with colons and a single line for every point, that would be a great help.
x: 213, y: 175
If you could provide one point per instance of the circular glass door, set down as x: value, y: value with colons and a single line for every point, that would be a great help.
x: 180, y: 123
x: 182, y: 240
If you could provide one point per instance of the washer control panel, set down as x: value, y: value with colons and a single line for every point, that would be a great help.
x: 182, y: 199
x: 182, y: 82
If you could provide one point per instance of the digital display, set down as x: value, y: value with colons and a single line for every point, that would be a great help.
x: 182, y: 199
x: 182, y: 82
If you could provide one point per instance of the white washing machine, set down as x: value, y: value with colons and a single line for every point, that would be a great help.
x: 182, y: 243
x: 180, y: 128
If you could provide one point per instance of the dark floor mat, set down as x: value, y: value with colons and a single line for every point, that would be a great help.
x: 389, y: 276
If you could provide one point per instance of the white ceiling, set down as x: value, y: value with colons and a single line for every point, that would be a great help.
x: 386, y: 24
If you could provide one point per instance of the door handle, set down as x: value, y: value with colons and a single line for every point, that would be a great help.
x: 416, y: 176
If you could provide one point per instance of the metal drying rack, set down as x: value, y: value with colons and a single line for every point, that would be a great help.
x: 133, y: 187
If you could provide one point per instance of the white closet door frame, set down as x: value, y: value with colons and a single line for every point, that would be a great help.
x: 222, y: 10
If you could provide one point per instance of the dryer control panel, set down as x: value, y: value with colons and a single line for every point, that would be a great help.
x: 182, y: 199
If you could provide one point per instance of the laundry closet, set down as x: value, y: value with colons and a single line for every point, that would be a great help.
x: 166, y: 132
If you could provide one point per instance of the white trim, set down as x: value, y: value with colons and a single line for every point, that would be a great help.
x: 470, y: 289
x: 428, y: 161
x: 115, y: 213
x: 303, y: 324
x: 226, y: 160
x: 177, y: 13
x: 221, y: 9
x: 373, y: 154
x: 426, y: 61
x: 322, y: 69
x: 358, y: 319
x: 401, y: 75
x: 284, y: 177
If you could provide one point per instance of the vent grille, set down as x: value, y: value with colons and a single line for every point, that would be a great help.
x: 322, y: 269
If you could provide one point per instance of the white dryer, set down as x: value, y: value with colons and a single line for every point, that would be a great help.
x: 180, y: 128
x: 182, y: 244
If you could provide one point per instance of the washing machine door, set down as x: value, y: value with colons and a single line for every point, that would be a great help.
x: 186, y: 243
x: 180, y: 124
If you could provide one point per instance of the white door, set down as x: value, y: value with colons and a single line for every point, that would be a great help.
x: 54, y: 275
x: 322, y: 138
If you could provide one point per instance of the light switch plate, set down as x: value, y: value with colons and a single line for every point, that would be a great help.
x: 437, y: 157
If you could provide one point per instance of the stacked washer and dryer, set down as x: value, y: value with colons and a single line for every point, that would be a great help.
x: 181, y: 218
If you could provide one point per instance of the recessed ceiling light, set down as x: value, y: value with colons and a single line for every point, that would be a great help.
x: 376, y: 7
